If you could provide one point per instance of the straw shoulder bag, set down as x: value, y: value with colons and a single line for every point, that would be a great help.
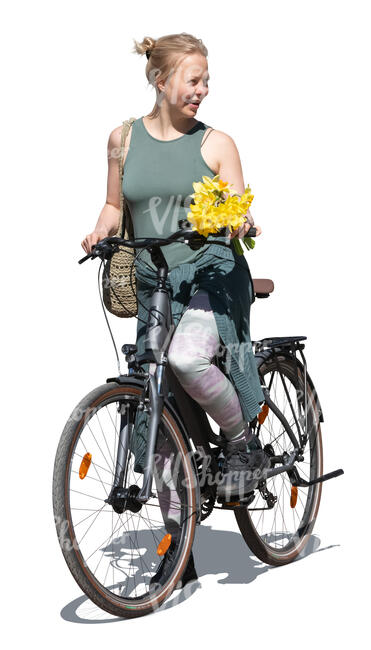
x: 119, y: 289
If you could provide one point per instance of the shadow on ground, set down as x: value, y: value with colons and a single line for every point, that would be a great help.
x: 215, y: 552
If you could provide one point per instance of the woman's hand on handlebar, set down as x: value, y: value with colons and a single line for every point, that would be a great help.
x: 93, y: 238
x: 243, y: 230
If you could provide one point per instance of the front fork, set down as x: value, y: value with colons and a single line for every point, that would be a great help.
x: 156, y: 401
x: 155, y: 389
x: 159, y: 331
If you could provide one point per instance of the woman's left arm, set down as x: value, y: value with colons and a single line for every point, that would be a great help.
x: 230, y: 171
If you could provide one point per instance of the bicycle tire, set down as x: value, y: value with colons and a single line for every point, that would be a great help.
x: 102, y: 597
x: 244, y: 516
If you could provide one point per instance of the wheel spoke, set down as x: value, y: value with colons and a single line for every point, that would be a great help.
x: 280, y: 527
x: 121, y: 551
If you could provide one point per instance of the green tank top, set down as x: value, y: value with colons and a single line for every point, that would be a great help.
x: 157, y: 183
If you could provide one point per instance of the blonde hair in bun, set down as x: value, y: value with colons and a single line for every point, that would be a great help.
x: 164, y: 54
x: 145, y: 46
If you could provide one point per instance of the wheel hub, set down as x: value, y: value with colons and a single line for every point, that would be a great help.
x: 122, y: 499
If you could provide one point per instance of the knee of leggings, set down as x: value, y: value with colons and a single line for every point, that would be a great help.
x: 187, y: 364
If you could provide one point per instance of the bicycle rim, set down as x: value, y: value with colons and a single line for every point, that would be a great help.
x: 113, y: 555
x: 279, y: 534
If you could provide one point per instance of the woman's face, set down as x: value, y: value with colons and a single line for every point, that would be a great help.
x: 186, y: 86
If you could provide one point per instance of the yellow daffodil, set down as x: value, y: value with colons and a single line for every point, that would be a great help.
x: 216, y: 205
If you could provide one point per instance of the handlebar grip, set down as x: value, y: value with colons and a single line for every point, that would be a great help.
x: 83, y: 259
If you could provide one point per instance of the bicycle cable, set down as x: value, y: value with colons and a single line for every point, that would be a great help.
x: 105, y: 316
x: 117, y: 297
x: 135, y: 258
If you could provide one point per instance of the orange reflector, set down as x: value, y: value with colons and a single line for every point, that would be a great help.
x: 232, y: 503
x: 263, y: 413
x: 294, y: 496
x: 85, y: 464
x: 164, y: 544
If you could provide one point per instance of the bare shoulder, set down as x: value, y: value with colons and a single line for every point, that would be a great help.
x: 219, y: 146
x: 223, y: 139
x: 114, y: 142
x: 114, y: 139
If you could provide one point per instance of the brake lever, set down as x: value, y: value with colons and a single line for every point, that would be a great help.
x: 102, y: 250
x: 107, y: 249
x: 195, y: 240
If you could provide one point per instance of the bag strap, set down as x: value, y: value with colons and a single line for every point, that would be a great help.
x: 124, y: 131
x: 212, y: 129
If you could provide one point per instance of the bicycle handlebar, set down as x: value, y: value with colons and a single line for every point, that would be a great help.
x: 107, y: 246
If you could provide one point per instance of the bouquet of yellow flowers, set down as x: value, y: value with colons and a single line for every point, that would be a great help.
x: 215, y: 205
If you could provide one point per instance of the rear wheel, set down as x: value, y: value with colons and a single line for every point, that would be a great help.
x: 277, y: 535
x: 112, y: 551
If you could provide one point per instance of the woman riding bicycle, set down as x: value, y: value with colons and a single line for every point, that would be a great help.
x: 162, y: 158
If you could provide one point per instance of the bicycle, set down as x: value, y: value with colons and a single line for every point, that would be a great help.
x: 275, y: 519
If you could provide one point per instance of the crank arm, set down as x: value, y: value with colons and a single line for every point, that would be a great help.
x: 298, y: 481
x: 284, y: 468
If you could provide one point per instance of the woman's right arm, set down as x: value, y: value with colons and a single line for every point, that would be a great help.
x: 109, y: 218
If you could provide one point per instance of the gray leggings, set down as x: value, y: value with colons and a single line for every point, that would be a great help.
x: 193, y: 346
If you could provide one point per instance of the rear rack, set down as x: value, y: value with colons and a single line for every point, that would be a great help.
x: 279, y: 341
x: 270, y: 347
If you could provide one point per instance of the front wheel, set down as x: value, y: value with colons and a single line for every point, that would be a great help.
x: 113, y: 551
x: 277, y: 525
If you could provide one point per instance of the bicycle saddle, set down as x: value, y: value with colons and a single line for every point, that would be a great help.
x: 263, y: 287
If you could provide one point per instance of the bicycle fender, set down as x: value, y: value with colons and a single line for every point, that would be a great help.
x: 139, y: 382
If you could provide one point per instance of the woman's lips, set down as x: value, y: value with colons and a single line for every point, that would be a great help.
x: 195, y: 106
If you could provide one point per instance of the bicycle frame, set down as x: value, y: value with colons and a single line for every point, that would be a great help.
x: 159, y: 382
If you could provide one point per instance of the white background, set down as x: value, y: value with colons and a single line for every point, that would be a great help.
x: 290, y: 83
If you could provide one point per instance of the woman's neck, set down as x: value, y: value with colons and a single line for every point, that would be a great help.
x: 166, y: 127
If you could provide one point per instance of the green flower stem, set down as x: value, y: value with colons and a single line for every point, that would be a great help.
x: 236, y: 243
x: 248, y: 241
